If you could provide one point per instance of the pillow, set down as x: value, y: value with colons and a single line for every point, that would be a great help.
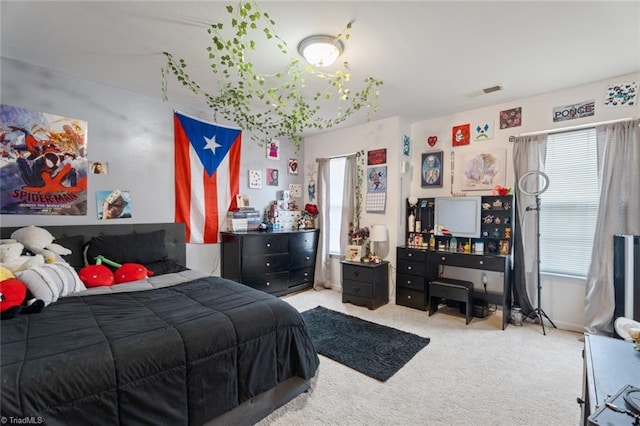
x: 75, y: 259
x: 166, y: 266
x: 51, y: 281
x: 128, y: 248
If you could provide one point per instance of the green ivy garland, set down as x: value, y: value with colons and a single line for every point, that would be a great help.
x: 269, y: 105
x: 360, y: 173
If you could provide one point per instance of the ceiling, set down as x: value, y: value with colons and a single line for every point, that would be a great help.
x: 429, y: 54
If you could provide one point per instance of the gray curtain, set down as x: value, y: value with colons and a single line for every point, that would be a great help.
x: 529, y: 153
x: 618, y: 213
x: 323, y: 261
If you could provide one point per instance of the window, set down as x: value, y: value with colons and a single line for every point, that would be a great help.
x: 336, y: 183
x: 568, y: 209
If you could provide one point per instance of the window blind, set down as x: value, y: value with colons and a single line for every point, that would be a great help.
x: 570, y: 205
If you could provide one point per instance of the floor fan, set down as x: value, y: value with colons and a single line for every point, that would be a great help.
x: 536, y: 177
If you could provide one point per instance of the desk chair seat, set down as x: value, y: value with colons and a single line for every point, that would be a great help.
x: 450, y: 289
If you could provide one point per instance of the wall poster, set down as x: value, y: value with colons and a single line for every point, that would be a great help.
x: 43, y: 166
x: 431, y: 172
x: 483, y: 170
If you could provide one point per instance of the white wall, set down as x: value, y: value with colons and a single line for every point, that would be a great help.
x: 379, y: 134
x: 562, y: 297
x: 134, y: 134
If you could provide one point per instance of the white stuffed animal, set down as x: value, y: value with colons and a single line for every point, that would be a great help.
x: 11, y: 257
x: 39, y: 241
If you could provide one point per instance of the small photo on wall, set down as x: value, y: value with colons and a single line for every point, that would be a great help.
x: 99, y: 167
x: 293, y: 166
x: 255, y: 179
x: 273, y: 149
x: 114, y: 204
x: 431, y: 172
x: 272, y: 177
x: 511, y: 118
x: 483, y: 131
x: 377, y: 179
x: 461, y: 135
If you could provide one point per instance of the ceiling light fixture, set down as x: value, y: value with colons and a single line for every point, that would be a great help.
x: 320, y: 50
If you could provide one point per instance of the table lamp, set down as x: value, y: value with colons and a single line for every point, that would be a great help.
x: 378, y: 234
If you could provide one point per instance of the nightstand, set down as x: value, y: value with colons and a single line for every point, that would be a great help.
x: 365, y: 284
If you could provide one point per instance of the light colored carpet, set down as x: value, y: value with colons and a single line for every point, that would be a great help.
x: 468, y: 375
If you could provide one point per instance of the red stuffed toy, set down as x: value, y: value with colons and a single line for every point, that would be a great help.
x: 99, y: 275
x: 13, y: 298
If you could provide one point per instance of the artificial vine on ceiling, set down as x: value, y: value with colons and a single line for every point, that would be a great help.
x: 269, y: 105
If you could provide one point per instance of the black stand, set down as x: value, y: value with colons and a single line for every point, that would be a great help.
x: 538, y: 313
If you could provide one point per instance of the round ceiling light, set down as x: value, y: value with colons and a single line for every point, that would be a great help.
x: 320, y: 50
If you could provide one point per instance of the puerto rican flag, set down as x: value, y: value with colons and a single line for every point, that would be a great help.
x: 207, y: 166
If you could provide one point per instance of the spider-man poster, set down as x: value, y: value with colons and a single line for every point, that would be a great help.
x: 43, y: 164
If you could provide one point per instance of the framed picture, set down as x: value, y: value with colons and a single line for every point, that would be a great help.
x: 511, y: 118
x: 482, y: 170
x: 99, y: 167
x: 242, y: 200
x: 354, y: 253
x: 377, y: 179
x: 431, y: 171
x: 293, y: 166
x: 273, y: 149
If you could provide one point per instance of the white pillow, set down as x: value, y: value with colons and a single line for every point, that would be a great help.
x: 51, y: 281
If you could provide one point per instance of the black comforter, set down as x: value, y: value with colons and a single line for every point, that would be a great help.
x: 178, y: 355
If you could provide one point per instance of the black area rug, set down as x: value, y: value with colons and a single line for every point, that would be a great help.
x: 373, y: 349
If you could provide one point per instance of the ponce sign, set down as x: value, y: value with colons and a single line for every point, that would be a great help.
x: 570, y: 112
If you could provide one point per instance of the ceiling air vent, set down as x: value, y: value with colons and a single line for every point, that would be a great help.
x: 494, y: 88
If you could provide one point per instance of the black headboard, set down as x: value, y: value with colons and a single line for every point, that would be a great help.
x: 174, y: 237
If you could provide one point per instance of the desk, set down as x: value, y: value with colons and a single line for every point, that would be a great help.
x: 609, y: 364
x: 495, y: 263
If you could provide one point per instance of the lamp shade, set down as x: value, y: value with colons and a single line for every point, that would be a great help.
x: 378, y: 233
x: 320, y: 50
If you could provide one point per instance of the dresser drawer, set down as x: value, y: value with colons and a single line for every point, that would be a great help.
x: 411, y: 298
x: 301, y: 276
x: 257, y: 265
x: 413, y: 282
x: 265, y: 244
x: 268, y: 283
x: 357, y: 273
x: 411, y: 254
x: 411, y: 267
x: 357, y: 288
x: 304, y: 241
x: 302, y: 258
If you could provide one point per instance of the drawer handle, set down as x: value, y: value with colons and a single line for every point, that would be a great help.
x: 308, y: 258
x: 409, y: 297
x: 408, y: 281
x: 268, y: 283
x: 443, y: 258
x: 268, y: 244
x: 409, y: 268
x: 410, y: 254
x: 482, y: 262
x: 306, y: 274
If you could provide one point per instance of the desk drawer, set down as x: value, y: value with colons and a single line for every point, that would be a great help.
x: 411, y: 267
x: 411, y: 254
x: 413, y: 282
x: 357, y: 288
x: 268, y: 283
x: 411, y: 298
x: 487, y: 263
x: 265, y: 244
x: 357, y: 273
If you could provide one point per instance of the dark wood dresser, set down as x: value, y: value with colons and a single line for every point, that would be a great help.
x: 274, y: 262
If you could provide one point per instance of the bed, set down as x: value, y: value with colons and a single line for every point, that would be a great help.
x: 181, y: 347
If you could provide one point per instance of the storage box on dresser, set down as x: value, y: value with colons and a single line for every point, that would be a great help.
x: 411, y: 278
x: 365, y: 284
x: 274, y: 262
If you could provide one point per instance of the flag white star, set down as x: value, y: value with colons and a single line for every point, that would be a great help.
x: 211, y: 144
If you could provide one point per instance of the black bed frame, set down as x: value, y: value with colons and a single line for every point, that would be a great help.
x: 249, y: 412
